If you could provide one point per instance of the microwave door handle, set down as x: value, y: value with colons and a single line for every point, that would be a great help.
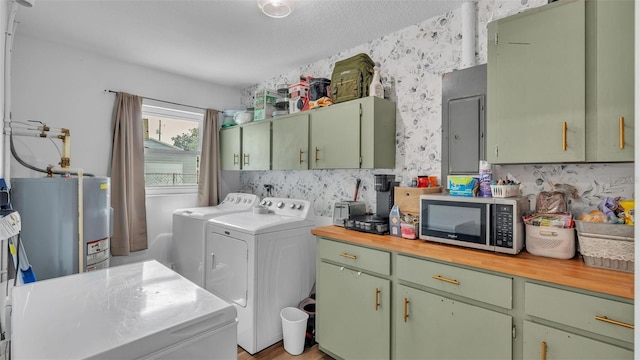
x: 490, y: 224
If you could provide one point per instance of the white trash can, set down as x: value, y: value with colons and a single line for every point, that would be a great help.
x: 294, y: 329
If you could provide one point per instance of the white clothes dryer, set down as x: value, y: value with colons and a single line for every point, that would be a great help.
x: 262, y: 263
x: 189, y: 233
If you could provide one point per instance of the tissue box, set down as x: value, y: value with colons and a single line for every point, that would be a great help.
x: 462, y: 185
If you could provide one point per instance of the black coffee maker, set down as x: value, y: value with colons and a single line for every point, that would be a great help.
x: 384, y: 186
x: 379, y: 222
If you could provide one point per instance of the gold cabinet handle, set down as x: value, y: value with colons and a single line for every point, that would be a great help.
x: 406, y: 309
x: 300, y: 156
x: 348, y: 256
x: 621, y: 124
x: 543, y: 355
x: 614, y: 322
x: 450, y: 281
x: 245, y: 159
x: 316, y: 154
x: 377, y: 298
x: 564, y: 136
x: 236, y: 159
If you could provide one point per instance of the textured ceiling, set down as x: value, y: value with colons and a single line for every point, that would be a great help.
x: 227, y: 42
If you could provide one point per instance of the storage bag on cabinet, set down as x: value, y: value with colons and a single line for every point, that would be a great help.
x: 351, y: 78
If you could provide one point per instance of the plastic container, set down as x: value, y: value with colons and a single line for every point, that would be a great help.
x: 376, y: 88
x: 264, y: 104
x: 294, y: 328
x: 550, y: 241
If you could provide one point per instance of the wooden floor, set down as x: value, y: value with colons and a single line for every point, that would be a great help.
x: 277, y: 352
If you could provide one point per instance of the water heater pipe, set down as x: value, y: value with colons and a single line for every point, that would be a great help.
x: 468, y: 34
x: 81, y: 255
x: 8, y: 45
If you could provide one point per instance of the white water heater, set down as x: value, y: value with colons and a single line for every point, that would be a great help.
x: 49, y: 211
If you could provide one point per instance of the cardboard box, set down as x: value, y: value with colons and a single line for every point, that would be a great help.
x: 408, y: 198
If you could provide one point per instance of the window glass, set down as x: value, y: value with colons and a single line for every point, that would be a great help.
x: 171, y: 146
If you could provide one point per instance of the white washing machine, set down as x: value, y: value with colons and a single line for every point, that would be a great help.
x: 189, y: 233
x: 262, y: 263
x: 135, y: 311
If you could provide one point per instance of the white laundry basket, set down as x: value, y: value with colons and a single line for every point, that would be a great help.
x: 294, y: 328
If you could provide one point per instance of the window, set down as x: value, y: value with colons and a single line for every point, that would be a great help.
x: 171, y: 147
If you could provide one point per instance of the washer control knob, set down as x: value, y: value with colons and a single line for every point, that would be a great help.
x: 299, y: 206
x: 293, y: 206
x: 280, y: 205
x: 263, y: 202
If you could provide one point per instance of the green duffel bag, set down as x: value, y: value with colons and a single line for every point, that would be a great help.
x: 351, y: 78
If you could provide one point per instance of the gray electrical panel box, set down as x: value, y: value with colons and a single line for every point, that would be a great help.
x: 463, y: 121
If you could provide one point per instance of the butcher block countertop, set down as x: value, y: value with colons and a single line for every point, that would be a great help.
x: 573, y: 272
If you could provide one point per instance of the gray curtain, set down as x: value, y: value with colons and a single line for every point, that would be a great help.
x: 209, y: 178
x: 127, y: 177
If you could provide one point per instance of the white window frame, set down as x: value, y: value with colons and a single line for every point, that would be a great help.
x: 178, y: 112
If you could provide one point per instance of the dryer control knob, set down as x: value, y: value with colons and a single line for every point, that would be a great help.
x: 299, y: 206
x: 293, y: 206
x: 280, y: 205
x: 263, y: 202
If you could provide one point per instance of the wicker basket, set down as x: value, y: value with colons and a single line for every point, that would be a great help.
x: 505, y: 191
x: 608, y: 246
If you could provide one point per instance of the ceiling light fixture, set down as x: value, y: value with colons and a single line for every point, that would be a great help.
x: 276, y: 8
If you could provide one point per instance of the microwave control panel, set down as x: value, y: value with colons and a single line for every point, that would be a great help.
x: 503, y: 217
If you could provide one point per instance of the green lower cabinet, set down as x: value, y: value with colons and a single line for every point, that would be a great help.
x: 543, y: 342
x: 353, y: 313
x: 430, y: 326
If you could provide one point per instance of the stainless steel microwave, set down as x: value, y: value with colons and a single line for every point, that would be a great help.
x: 493, y: 224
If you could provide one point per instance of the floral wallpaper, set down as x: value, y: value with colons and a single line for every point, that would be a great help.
x: 412, y: 62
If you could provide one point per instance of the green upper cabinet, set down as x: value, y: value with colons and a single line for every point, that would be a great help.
x: 350, y: 135
x: 256, y: 146
x: 536, y: 85
x: 230, y: 148
x: 291, y: 142
x: 335, y: 137
x: 560, y: 84
x: 354, y: 134
x: 610, y: 76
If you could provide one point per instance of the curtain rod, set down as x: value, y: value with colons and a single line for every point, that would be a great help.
x: 166, y: 102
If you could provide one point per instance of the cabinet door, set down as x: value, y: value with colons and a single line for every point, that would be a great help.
x: 335, y: 137
x: 256, y: 146
x: 610, y: 74
x: 291, y: 142
x: 429, y: 326
x: 536, y: 86
x: 543, y: 342
x: 353, y: 313
x: 230, y: 148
